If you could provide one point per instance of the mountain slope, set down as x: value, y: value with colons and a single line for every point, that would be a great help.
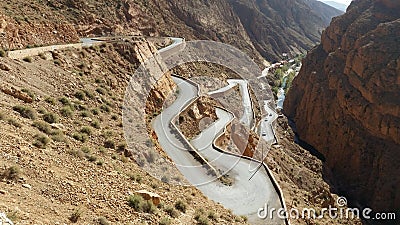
x: 268, y: 27
x: 276, y: 26
x: 345, y: 103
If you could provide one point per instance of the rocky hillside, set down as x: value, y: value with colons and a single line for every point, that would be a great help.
x: 346, y: 103
x: 277, y: 26
x: 267, y: 27
x: 63, y: 155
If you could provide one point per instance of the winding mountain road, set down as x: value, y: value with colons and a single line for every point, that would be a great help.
x: 249, y: 191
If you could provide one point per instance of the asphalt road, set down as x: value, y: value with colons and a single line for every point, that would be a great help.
x: 247, y: 117
x: 245, y: 196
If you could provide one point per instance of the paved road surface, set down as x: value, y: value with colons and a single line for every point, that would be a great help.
x: 247, y: 117
x: 245, y: 196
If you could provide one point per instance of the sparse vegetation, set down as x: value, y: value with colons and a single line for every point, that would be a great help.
x: 141, y: 205
x: 29, y: 93
x: 86, y: 130
x: 201, y: 217
x: 14, y: 122
x: 80, y: 137
x: 12, y: 173
x: 181, y: 206
x: 66, y: 111
x: 165, y: 221
x: 95, y: 123
x: 25, y: 111
x: 50, y: 117
x: 80, y: 95
x: 64, y: 100
x: 171, y: 211
x: 42, y: 126
x: 41, y: 141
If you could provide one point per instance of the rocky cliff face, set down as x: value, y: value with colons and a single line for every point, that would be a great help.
x: 260, y: 28
x: 279, y: 26
x: 346, y: 102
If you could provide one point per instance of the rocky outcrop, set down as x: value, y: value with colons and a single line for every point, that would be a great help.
x: 346, y: 103
x: 197, y: 117
x: 16, y: 33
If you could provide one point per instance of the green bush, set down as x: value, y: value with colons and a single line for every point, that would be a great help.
x: 59, y: 138
x: 181, y: 206
x: 171, y: 211
x: 105, y: 108
x: 15, y: 123
x: 66, y: 111
x: 85, y: 113
x: 50, y: 117
x: 86, y: 130
x: 64, y: 100
x: 89, y: 94
x: 41, y: 141
x: 29, y: 93
x: 80, y: 137
x: 41, y: 110
x: 148, y: 207
x: 42, y: 126
x: 135, y: 201
x: 91, y: 158
x: 25, y: 111
x: 101, y: 91
x: 121, y: 146
x: 202, y: 220
x: 86, y: 150
x: 165, y: 221
x: 12, y: 173
x: 50, y: 100
x: 95, y: 124
x: 141, y: 205
x: 95, y: 111
x: 80, y: 95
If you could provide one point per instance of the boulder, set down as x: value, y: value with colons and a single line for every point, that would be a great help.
x: 146, y: 195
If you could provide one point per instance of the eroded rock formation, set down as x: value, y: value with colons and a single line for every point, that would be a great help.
x: 346, y: 102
